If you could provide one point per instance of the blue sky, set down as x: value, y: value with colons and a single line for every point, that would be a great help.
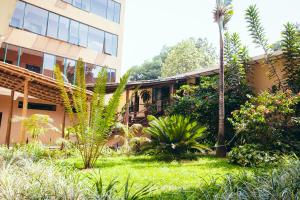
x: 150, y: 24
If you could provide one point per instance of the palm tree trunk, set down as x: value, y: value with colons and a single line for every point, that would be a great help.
x: 221, y: 150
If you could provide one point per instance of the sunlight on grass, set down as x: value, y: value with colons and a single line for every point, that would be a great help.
x: 167, y: 176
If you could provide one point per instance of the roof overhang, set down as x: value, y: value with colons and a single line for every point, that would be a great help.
x: 42, y: 87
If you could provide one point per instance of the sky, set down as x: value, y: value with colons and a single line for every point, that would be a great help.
x: 151, y: 24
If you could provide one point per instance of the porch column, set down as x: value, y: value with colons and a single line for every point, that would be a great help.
x: 172, y: 91
x: 63, y: 128
x: 126, y: 121
x: 9, y: 120
x: 24, y: 110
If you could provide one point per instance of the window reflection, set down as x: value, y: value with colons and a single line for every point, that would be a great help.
x: 63, y: 31
x: 95, y: 39
x: 74, y: 38
x: 114, y: 45
x: 83, y: 35
x: 86, y: 5
x: 31, y: 60
x: 2, y: 52
x: 108, y: 75
x: 35, y: 19
x: 113, y: 75
x: 91, y: 73
x: 12, y: 54
x: 52, y: 25
x: 70, y: 70
x: 110, y: 10
x: 48, y: 65
x: 17, y: 19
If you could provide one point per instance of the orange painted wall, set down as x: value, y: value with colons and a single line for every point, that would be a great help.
x: 49, y: 138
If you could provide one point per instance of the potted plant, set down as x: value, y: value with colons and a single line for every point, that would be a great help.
x: 146, y: 96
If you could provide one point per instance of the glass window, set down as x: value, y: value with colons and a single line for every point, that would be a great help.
x: 95, y: 39
x: 17, y: 18
x: 31, y: 60
x: 2, y: 52
x: 48, y: 65
x: 52, y: 25
x: 70, y: 70
x: 68, y: 1
x: 98, y: 7
x: 63, y: 32
x: 108, y: 43
x: 113, y: 75
x: 12, y: 53
x: 77, y: 3
x: 83, y: 35
x: 117, y: 12
x: 35, y: 19
x: 91, y: 73
x: 86, y: 5
x: 74, y: 38
x: 110, y: 10
x: 114, y: 45
x: 108, y: 75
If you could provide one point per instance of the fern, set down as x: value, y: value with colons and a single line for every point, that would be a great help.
x: 92, y: 120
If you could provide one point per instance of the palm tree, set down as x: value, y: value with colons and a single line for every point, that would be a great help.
x: 222, y: 15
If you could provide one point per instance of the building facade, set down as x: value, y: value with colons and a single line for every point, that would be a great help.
x: 36, y: 35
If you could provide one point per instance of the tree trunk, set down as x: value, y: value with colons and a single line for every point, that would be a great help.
x: 221, y: 149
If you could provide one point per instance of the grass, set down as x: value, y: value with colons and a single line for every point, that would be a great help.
x: 170, y: 178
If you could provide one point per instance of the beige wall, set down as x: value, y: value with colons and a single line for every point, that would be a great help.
x: 61, y: 48
x: 259, y: 76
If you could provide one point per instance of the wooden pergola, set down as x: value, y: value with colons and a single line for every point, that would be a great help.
x: 29, y: 83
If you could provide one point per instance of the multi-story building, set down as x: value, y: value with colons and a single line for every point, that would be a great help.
x: 38, y: 34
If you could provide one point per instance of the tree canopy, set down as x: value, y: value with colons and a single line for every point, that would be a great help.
x: 185, y: 56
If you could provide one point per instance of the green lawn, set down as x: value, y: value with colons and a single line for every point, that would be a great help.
x: 170, y: 178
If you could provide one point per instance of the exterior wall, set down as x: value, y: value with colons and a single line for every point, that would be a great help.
x: 60, y: 48
x: 49, y: 138
x: 259, y: 76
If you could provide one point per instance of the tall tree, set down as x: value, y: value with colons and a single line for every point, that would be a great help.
x: 258, y: 35
x: 291, y: 51
x: 222, y: 15
x: 188, y: 55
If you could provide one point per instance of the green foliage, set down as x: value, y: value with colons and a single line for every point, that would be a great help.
x: 268, y: 119
x: 146, y: 96
x: 175, y: 135
x: 91, y: 131
x: 186, y: 56
x: 291, y: 51
x: 223, y: 13
x: 251, y: 155
x: 257, y: 33
x: 36, y: 125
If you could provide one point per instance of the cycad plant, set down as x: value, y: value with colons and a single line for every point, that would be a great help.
x: 91, y: 120
x: 175, y: 135
x: 222, y: 15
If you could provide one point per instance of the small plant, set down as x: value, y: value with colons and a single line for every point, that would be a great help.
x: 251, y: 155
x: 175, y: 135
x: 36, y: 125
x: 131, y: 137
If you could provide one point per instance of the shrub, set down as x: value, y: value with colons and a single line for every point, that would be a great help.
x: 250, y: 155
x: 268, y: 119
x: 175, y: 135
